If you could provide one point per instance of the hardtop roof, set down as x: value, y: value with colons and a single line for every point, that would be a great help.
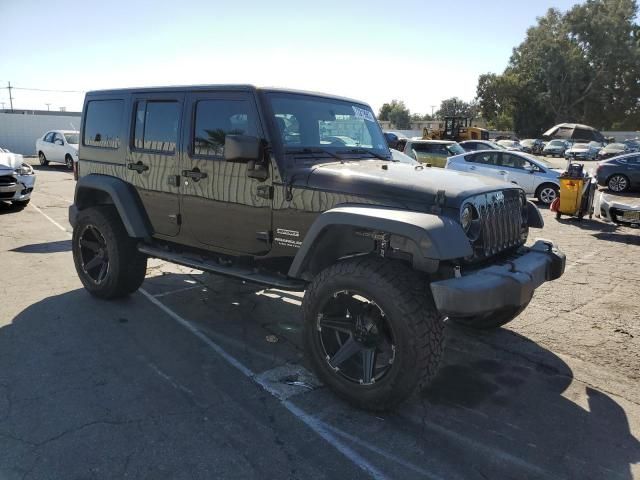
x: 229, y: 87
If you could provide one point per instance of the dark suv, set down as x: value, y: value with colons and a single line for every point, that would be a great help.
x: 299, y: 191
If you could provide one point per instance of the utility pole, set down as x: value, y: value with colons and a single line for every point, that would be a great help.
x: 48, y: 105
x: 10, y: 97
x: 2, y: 105
x: 432, y: 107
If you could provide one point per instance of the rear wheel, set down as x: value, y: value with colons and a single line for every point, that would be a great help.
x: 43, y: 160
x: 490, y: 320
x: 68, y: 161
x: 372, y: 332
x: 547, y: 193
x: 106, y: 258
x: 618, y: 183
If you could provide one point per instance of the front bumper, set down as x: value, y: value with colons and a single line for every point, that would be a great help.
x: 510, y: 284
x: 20, y: 190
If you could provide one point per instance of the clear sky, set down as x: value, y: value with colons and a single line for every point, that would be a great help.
x: 417, y: 51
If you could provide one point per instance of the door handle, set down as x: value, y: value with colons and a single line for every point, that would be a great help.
x: 502, y: 172
x: 138, y: 167
x: 194, y: 174
x: 472, y: 168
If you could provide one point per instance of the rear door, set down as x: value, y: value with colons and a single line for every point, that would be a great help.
x: 152, y: 158
x: 488, y: 163
x: 633, y: 170
x: 222, y: 206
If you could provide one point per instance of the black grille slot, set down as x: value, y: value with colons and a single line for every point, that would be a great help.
x: 501, y: 222
x: 7, y: 180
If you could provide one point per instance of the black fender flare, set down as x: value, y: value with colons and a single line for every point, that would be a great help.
x: 96, y: 189
x: 428, y: 237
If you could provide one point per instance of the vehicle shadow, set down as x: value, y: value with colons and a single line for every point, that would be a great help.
x: 7, y: 207
x: 52, y: 167
x: 76, y: 387
x: 588, y: 224
x: 624, y: 238
x: 47, y: 247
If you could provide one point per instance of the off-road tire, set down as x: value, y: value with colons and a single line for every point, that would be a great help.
x: 127, y: 266
x: 405, y: 298
x: 43, y: 159
x: 490, y: 321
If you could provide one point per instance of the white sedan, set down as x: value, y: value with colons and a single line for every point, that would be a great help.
x: 60, y: 146
x: 536, y: 177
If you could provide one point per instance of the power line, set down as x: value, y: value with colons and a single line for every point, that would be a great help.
x: 41, y: 89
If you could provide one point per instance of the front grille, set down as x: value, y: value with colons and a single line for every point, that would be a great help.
x: 7, y: 180
x: 502, y: 225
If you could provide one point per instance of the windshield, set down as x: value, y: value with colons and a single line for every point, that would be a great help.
x: 580, y: 145
x: 72, y: 138
x: 306, y: 122
x: 555, y: 143
x: 455, y: 149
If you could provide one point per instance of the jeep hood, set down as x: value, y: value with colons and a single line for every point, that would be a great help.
x: 401, y: 182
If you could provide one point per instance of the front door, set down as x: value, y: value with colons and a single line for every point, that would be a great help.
x: 520, y: 171
x: 152, y: 158
x: 222, y: 206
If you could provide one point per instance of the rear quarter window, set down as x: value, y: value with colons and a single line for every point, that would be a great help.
x: 103, y: 122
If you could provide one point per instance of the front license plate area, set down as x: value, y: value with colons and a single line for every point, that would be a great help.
x: 631, y: 216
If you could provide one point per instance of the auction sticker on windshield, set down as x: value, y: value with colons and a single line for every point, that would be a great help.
x: 362, y: 113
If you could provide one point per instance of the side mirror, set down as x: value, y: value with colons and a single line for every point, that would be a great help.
x: 241, y: 148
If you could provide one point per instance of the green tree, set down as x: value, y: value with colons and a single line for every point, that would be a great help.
x: 455, y: 107
x: 397, y: 113
x: 581, y: 66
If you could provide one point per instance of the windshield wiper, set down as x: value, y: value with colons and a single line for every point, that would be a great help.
x: 367, y: 152
x: 311, y: 151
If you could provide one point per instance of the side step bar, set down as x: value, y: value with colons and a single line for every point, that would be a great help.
x: 237, y: 272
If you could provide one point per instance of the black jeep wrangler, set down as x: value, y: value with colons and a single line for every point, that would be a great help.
x: 299, y: 191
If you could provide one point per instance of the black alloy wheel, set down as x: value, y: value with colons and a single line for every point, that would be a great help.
x: 356, y: 338
x: 94, y: 256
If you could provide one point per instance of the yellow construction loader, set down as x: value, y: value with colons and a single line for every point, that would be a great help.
x: 456, y: 129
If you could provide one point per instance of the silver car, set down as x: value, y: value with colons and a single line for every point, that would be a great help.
x: 17, y: 179
x: 536, y: 177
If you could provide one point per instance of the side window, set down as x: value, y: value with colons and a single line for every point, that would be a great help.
x: 471, y: 145
x: 512, y: 161
x: 156, y: 126
x: 215, y: 119
x: 441, y: 150
x: 48, y: 137
x: 103, y: 122
x: 57, y: 137
x: 487, y: 158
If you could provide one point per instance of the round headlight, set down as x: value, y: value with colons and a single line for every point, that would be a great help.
x: 466, y: 217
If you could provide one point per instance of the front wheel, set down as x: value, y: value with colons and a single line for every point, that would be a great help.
x: 618, y: 183
x: 106, y: 258
x: 371, y: 331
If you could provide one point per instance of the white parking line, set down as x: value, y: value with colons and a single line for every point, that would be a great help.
x: 50, y: 219
x: 316, y: 425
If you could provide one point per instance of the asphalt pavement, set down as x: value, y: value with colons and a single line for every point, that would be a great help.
x: 198, y: 376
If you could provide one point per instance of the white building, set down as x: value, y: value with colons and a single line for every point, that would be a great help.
x: 20, y: 129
